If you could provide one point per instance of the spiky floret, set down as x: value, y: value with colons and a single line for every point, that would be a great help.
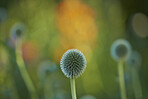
x: 73, y: 63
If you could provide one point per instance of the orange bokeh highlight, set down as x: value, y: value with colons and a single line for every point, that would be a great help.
x: 76, y: 23
x: 76, y: 20
x: 29, y: 51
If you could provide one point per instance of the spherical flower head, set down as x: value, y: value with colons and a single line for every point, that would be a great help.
x: 135, y: 59
x: 73, y: 63
x: 46, y: 68
x: 18, y: 31
x: 120, y: 50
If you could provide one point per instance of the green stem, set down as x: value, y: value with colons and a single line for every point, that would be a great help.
x: 136, y: 84
x: 121, y: 79
x: 24, y: 73
x: 73, y: 88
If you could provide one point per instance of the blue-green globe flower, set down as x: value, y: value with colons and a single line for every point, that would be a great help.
x: 18, y: 31
x: 46, y: 68
x: 120, y: 49
x: 73, y: 63
x: 135, y: 59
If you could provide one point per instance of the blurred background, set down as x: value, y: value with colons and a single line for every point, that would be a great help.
x: 45, y: 29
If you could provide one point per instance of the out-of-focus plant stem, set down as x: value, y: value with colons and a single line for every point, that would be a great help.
x: 23, y: 71
x: 121, y: 79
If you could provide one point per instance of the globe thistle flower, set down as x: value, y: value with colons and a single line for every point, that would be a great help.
x: 17, y: 31
x: 17, y: 35
x: 135, y: 59
x: 120, y: 49
x: 73, y: 63
x: 46, y: 68
x: 3, y: 14
x: 134, y: 62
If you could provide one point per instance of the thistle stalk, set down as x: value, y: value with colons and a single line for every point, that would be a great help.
x: 73, y: 88
x: 121, y: 79
x: 23, y: 71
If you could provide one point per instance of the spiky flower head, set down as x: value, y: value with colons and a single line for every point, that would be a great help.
x: 120, y: 49
x: 73, y: 63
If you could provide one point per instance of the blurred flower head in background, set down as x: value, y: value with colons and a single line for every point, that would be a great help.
x: 135, y: 59
x: 46, y: 68
x: 120, y: 49
x: 17, y: 31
